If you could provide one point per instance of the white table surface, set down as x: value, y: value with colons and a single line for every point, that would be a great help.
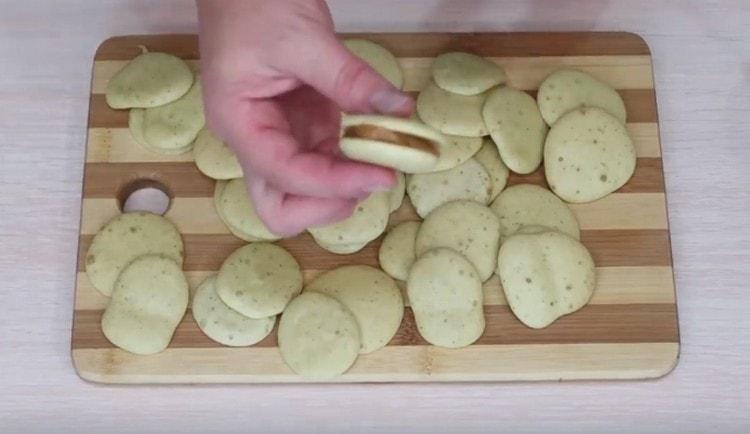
x: 701, y: 52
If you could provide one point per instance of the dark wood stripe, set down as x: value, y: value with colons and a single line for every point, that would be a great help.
x: 421, y: 44
x: 183, y: 179
x: 179, y: 179
x: 639, y: 103
x: 609, y: 248
x: 627, y: 323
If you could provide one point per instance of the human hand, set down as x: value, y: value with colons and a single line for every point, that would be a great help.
x: 275, y: 80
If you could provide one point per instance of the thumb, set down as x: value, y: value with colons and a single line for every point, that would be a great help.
x: 347, y: 80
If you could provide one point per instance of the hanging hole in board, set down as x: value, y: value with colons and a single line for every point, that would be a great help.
x: 145, y: 195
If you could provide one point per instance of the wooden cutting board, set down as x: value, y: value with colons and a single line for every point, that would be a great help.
x: 629, y: 331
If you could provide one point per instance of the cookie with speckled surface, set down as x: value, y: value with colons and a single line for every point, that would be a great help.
x: 588, y: 155
x: 258, y: 280
x: 452, y: 113
x: 428, y: 191
x: 319, y: 337
x: 569, y: 89
x: 225, y: 325
x: 516, y: 127
x: 125, y: 238
x: 467, y: 227
x: 148, y: 301
x: 545, y: 275
x: 149, y: 80
x: 445, y: 294
x: 371, y: 295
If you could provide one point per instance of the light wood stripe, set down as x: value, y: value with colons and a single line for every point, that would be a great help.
x: 620, y: 72
x: 628, y: 323
x: 116, y: 145
x: 183, y: 179
x: 609, y: 248
x: 615, y: 285
x: 197, y: 215
x: 405, y: 363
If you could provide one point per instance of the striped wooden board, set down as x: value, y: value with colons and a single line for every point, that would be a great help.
x: 628, y: 331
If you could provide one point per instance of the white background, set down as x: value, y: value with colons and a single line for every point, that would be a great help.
x: 701, y: 52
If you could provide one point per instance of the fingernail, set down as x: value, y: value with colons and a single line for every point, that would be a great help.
x: 388, y: 101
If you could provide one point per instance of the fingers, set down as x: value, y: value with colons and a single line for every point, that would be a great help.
x: 266, y: 148
x: 333, y: 70
x: 287, y: 215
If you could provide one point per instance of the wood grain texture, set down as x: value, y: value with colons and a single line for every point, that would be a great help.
x: 700, y: 59
x: 627, y: 231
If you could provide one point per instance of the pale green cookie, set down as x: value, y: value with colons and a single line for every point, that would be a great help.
x: 125, y: 238
x: 545, y: 275
x: 175, y: 125
x: 224, y: 325
x: 149, y: 80
x: 149, y: 300
x: 214, y: 158
x: 469, y: 181
x: 397, y: 254
x: 319, y: 337
x: 465, y: 73
x: 445, y: 294
x: 380, y: 59
x: 371, y: 295
x: 368, y: 221
x: 516, y: 127
x: 235, y: 208
x: 258, y: 280
x: 490, y: 159
x: 452, y: 113
x: 530, y: 205
x: 467, y: 227
x: 588, y: 155
x: 569, y: 89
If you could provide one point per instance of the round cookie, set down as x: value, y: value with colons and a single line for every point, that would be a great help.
x: 367, y: 222
x: 371, y: 295
x: 174, y: 126
x: 258, y: 280
x: 469, y: 181
x: 214, y: 158
x: 224, y: 325
x: 525, y: 205
x: 148, y: 301
x: 397, y: 254
x: 218, y: 190
x: 125, y: 238
x: 445, y: 294
x: 135, y: 125
x: 465, y: 73
x: 588, y: 155
x: 236, y: 210
x: 489, y: 158
x: 379, y: 58
x: 452, y: 113
x: 467, y: 227
x: 319, y: 337
x: 568, y: 89
x: 516, y: 127
x: 456, y: 151
x: 149, y: 80
x: 544, y: 276
x: 396, y: 194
